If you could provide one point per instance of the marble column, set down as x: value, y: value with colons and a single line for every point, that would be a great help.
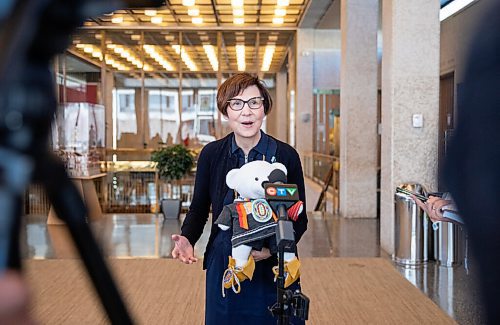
x: 358, y: 109
x: 277, y: 121
x: 304, y: 91
x: 410, y: 93
x: 108, y: 83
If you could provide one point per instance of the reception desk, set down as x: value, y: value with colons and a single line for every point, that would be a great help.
x: 85, y: 185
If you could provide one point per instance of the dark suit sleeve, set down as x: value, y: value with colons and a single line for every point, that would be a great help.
x: 473, y: 163
x: 296, y: 176
x: 197, y: 216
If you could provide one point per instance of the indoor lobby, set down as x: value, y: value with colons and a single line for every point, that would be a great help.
x: 366, y: 92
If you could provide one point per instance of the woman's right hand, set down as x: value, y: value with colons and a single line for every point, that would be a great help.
x: 183, y: 250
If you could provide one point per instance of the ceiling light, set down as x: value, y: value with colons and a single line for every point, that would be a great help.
x: 268, y: 57
x: 280, y: 12
x: 98, y: 36
x: 283, y: 3
x: 135, y: 37
x: 237, y: 3
x: 239, y: 20
x: 88, y: 49
x: 188, y: 3
x: 212, y: 57
x: 197, y: 20
x: 111, y: 46
x: 169, y: 38
x: 156, y: 20
x: 240, y: 57
x: 150, y: 12
x: 193, y: 11
x: 278, y: 20
x: 238, y: 12
x: 117, y: 20
x: 80, y: 46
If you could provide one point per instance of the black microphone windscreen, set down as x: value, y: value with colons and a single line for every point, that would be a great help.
x: 277, y: 176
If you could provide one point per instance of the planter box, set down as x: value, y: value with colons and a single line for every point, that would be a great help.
x: 171, y: 208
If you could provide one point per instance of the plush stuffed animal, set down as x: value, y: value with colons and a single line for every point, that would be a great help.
x: 253, y: 221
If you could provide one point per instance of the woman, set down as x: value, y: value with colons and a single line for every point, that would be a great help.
x: 244, y: 101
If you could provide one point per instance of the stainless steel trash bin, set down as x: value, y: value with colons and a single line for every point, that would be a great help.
x: 450, y: 244
x: 413, y: 237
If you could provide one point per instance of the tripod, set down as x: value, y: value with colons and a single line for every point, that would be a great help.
x: 32, y: 32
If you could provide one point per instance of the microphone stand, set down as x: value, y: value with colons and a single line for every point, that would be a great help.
x: 281, y: 197
x: 285, y: 240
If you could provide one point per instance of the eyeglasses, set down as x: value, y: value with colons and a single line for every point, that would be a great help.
x: 238, y: 104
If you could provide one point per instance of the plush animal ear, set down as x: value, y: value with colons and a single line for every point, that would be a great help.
x: 279, y: 166
x: 232, y: 178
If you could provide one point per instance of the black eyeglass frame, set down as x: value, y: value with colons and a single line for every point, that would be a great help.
x: 246, y: 102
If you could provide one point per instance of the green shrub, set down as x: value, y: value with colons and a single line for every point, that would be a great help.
x: 173, y: 162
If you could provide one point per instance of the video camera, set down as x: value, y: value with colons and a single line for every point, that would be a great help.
x: 31, y: 34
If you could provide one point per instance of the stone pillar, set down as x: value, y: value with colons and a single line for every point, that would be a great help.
x: 277, y: 121
x: 358, y: 109
x: 410, y: 87
x: 304, y: 91
x: 108, y: 84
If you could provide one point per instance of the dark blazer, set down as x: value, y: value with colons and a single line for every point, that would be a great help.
x: 473, y: 163
x: 210, y: 189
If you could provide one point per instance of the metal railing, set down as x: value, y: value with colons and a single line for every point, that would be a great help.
x: 317, y: 166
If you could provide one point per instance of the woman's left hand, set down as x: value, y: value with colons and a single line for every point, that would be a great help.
x: 261, y: 255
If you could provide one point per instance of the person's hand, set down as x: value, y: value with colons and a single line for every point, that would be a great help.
x: 14, y: 307
x: 433, y: 207
x: 261, y: 255
x: 183, y: 250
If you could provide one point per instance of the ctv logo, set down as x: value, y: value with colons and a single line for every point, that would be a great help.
x: 280, y: 191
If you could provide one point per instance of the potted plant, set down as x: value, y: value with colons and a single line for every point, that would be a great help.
x: 173, y: 163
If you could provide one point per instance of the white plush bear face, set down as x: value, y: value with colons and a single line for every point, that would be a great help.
x: 248, y: 180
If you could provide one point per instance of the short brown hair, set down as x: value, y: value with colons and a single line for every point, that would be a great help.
x: 235, y: 85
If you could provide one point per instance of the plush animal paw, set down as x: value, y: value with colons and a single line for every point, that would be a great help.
x: 292, y: 271
x: 234, y: 275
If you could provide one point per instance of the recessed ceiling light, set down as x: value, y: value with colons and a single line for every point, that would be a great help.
x: 283, y: 3
x: 278, y: 20
x: 193, y: 11
x: 135, y: 37
x: 237, y: 3
x: 188, y: 3
x: 156, y: 20
x: 280, y: 12
x: 117, y: 20
x: 238, y: 12
x: 150, y: 12
x: 197, y: 20
x: 239, y: 20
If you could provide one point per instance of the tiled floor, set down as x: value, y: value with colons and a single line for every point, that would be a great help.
x: 148, y: 236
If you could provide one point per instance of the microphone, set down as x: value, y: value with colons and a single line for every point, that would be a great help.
x: 281, y: 197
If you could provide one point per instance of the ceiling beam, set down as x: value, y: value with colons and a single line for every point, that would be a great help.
x: 215, y: 13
